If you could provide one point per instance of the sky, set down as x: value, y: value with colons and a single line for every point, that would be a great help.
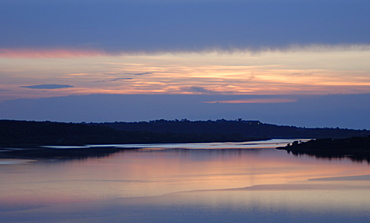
x: 287, y: 62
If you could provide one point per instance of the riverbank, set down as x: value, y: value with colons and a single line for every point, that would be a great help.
x: 355, y: 148
x: 59, y: 154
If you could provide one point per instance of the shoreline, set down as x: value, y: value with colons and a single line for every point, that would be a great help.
x: 355, y: 148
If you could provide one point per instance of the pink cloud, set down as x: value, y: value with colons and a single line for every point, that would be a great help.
x: 256, y: 100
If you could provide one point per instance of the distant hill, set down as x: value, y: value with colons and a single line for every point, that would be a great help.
x: 244, y: 128
x: 34, y: 134
x: 29, y: 133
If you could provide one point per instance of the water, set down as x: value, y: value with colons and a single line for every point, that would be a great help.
x: 207, y: 182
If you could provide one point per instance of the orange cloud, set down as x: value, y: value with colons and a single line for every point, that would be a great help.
x: 256, y: 100
x: 48, y: 53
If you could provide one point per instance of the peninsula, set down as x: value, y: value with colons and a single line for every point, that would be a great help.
x: 355, y: 148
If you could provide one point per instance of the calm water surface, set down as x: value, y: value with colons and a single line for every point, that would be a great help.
x: 204, y: 182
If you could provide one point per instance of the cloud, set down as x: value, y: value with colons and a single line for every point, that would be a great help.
x: 256, y: 101
x: 251, y: 77
x: 115, y: 79
x: 48, y: 86
x: 122, y: 78
x: 111, y: 26
x: 196, y: 89
x: 143, y: 73
x: 138, y: 74
x: 304, y: 74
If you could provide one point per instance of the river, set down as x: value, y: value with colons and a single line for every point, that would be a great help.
x: 196, y: 182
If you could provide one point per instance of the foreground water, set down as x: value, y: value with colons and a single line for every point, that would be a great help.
x: 208, y: 182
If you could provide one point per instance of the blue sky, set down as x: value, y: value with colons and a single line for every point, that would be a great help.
x: 301, y: 62
x: 180, y: 25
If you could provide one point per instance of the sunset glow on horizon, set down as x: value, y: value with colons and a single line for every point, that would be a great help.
x: 265, y: 73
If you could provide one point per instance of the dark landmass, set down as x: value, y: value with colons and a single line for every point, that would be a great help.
x: 32, y: 135
x: 243, y: 128
x: 354, y: 148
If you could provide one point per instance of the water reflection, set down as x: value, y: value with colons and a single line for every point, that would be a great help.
x: 354, y: 158
x: 170, y: 184
x: 65, y: 153
x: 209, y: 145
x: 57, y: 154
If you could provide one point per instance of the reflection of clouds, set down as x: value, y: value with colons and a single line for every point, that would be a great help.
x: 204, y: 185
x: 296, y: 187
x: 345, y: 178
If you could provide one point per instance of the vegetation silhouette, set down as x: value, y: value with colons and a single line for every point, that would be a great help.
x: 354, y: 148
x: 242, y: 128
x: 33, y: 135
